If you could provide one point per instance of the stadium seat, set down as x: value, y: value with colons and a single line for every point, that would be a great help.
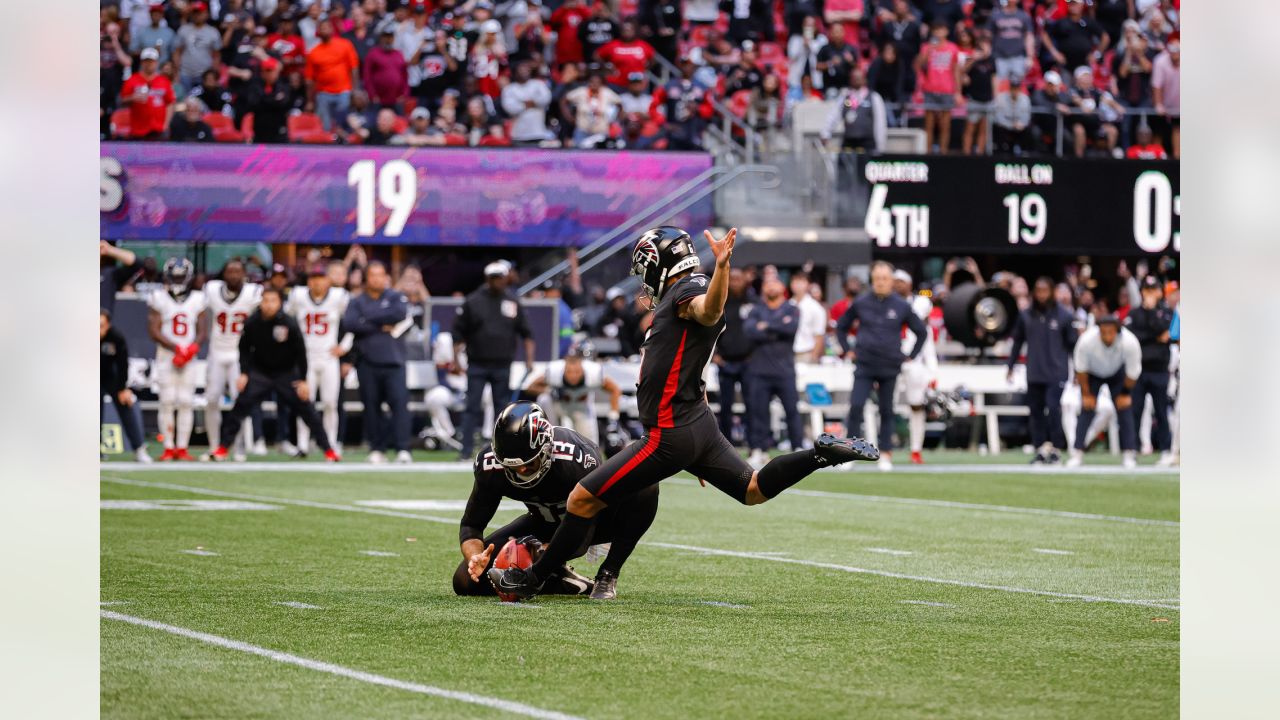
x: 772, y: 53
x: 224, y: 129
x: 455, y: 139
x: 494, y: 141
x: 246, y: 126
x: 120, y: 123
x: 307, y: 128
x: 401, y: 125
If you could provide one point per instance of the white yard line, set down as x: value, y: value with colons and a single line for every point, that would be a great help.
x: 1051, y: 551
x: 297, y: 605
x: 201, y: 552
x: 926, y: 602
x: 508, y: 706
x: 904, y: 576
x: 283, y: 501
x: 379, y: 553
x: 718, y: 603
x: 889, y: 551
x: 924, y: 502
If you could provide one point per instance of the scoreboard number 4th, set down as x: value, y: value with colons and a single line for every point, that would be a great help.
x: 394, y: 186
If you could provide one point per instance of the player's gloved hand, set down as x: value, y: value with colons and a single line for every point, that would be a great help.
x: 533, y: 545
x: 181, y: 356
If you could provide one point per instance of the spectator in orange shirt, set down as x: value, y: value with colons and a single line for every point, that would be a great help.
x: 1144, y: 148
x: 150, y: 97
x: 331, y: 74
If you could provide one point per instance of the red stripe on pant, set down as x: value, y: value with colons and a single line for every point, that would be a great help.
x: 666, y: 418
x: 655, y: 437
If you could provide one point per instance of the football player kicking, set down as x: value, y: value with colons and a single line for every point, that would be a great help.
x: 173, y: 323
x: 681, y: 432
x: 539, y: 464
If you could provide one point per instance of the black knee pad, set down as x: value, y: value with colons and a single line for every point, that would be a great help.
x: 465, y: 586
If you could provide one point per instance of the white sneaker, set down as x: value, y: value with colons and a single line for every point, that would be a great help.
x: 238, y: 456
x: 1130, y: 460
x: 288, y: 448
x: 403, y: 457
x: 259, y: 448
x: 141, y: 455
x: 377, y: 458
x: 757, y: 459
x: 1166, y: 459
x: 885, y: 463
x: 1075, y: 459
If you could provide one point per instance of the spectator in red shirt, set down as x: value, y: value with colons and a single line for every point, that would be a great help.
x: 1145, y: 148
x: 627, y: 54
x: 939, y: 61
x: 386, y: 74
x: 565, y: 21
x: 150, y: 99
x: 332, y: 67
x: 286, y: 44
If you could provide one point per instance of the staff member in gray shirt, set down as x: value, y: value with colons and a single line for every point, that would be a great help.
x: 376, y: 318
x: 488, y: 323
x: 1109, y: 355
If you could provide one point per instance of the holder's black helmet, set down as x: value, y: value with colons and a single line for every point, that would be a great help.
x: 522, y: 443
x: 660, y: 253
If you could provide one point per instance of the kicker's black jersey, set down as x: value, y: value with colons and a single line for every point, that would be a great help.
x: 572, y: 458
x: 675, y: 352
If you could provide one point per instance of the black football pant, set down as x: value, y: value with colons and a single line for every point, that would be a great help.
x: 763, y: 389
x: 732, y: 381
x: 498, y: 377
x: 863, y: 383
x: 622, y: 526
x: 1128, y: 434
x: 130, y: 419
x: 378, y: 384
x: 1044, y: 401
x: 258, y: 388
x: 1155, y: 384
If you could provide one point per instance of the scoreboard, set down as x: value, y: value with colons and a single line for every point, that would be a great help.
x: 940, y: 204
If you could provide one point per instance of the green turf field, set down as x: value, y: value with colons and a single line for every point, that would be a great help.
x: 869, y: 595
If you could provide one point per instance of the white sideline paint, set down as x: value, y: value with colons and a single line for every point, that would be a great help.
x: 185, y: 505
x: 379, y: 553
x: 719, y: 603
x: 111, y: 603
x: 1049, y: 551
x: 889, y: 551
x: 282, y: 501
x: 202, y: 553
x: 926, y: 602
x: 904, y: 576
x: 297, y: 605
x: 455, y: 505
x: 508, y: 706
x: 888, y: 499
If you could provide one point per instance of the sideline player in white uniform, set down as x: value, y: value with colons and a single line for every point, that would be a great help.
x: 448, y: 393
x: 174, y: 324
x: 229, y: 301
x: 920, y: 373
x: 573, y: 382
x: 318, y: 308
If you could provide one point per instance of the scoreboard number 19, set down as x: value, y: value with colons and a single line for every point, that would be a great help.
x: 396, y: 188
x: 1028, y: 218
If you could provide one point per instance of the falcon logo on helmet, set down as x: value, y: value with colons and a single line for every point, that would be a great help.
x: 522, y: 443
x: 177, y: 275
x: 659, y: 254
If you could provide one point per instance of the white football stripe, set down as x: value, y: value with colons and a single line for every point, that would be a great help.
x: 508, y: 706
x: 298, y: 605
x: 1048, y: 551
x: 203, y: 553
x: 889, y: 551
x: 379, y: 553
x: 458, y: 505
x: 926, y: 602
x: 185, y: 505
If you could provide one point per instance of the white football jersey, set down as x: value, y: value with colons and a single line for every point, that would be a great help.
x: 177, y: 316
x: 580, y: 394
x: 929, y: 353
x: 318, y: 320
x: 226, y: 317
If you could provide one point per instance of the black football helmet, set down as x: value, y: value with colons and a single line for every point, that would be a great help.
x: 660, y: 253
x: 522, y: 443
x: 177, y: 275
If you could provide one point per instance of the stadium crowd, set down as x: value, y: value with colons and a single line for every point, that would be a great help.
x: 777, y: 318
x: 569, y: 73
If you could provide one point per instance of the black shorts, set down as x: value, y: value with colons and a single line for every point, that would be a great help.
x: 662, y: 452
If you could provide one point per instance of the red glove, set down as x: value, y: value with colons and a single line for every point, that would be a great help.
x: 184, y: 353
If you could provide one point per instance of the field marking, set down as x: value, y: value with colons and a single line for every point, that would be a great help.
x: 904, y: 576
x: 454, y: 505
x: 926, y: 502
x: 926, y: 602
x: 282, y: 501
x: 112, y: 603
x: 718, y: 603
x: 201, y: 552
x: 508, y: 706
x: 184, y: 505
x: 889, y: 551
x: 297, y: 605
x: 379, y: 553
x: 1051, y: 551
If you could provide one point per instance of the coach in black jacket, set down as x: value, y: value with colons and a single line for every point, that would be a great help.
x: 1047, y: 331
x: 114, y: 381
x: 273, y: 357
x: 880, y: 314
x: 1150, y: 324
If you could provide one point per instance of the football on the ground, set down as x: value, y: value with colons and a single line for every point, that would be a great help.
x: 513, y: 554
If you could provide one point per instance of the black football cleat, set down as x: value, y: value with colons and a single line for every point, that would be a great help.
x: 606, y: 587
x: 514, y: 581
x: 567, y: 581
x: 832, y: 450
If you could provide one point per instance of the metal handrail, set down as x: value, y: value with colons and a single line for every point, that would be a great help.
x: 657, y: 213
x: 727, y: 117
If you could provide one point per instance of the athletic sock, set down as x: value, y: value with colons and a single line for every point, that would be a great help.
x: 186, y: 422
x: 915, y: 427
x: 572, y: 534
x: 786, y: 470
x: 631, y: 523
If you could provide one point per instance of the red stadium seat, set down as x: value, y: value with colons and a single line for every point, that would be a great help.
x: 410, y: 103
x: 307, y: 128
x: 401, y: 125
x: 494, y: 141
x: 739, y: 103
x: 246, y: 126
x: 455, y: 139
x: 772, y: 54
x: 698, y: 35
x: 120, y: 123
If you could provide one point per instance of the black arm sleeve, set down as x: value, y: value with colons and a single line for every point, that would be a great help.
x: 1019, y: 339
x: 522, y: 322
x: 246, y: 346
x: 1069, y: 332
x: 919, y: 328
x: 481, y: 507
x: 298, y: 347
x: 843, y: 324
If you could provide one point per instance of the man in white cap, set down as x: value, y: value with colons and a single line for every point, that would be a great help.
x: 488, y: 323
x: 1049, y: 101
